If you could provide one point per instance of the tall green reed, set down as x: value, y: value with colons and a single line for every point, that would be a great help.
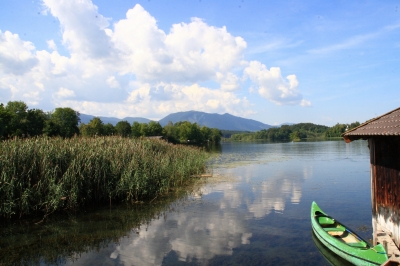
x: 43, y: 175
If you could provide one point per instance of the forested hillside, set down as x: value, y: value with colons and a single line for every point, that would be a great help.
x: 222, y: 122
x: 16, y: 120
x: 296, y: 132
x: 339, y: 129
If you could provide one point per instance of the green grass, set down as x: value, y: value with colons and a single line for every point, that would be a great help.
x: 43, y: 175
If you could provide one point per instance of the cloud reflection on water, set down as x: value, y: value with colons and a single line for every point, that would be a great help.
x: 194, y: 234
x: 215, y: 223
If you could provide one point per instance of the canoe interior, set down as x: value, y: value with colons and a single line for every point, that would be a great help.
x: 339, y: 231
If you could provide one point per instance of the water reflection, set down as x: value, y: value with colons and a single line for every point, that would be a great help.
x: 215, y: 223
x: 198, y: 233
x: 262, y: 188
x: 254, y: 211
x: 72, y: 237
x: 331, y: 257
x: 199, y: 237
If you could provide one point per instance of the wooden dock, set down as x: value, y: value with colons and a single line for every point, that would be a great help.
x: 391, y: 249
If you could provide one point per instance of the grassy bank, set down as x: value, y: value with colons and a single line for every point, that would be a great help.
x: 43, y: 175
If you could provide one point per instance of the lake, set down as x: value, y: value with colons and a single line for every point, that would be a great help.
x: 255, y: 210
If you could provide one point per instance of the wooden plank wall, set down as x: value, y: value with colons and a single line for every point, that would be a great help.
x: 385, y: 183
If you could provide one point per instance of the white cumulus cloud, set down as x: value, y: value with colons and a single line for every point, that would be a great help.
x: 272, y: 86
x: 16, y: 56
x: 84, y: 29
x: 133, y: 68
x: 190, y: 52
x: 64, y: 93
x: 229, y: 81
x: 112, y: 82
x: 52, y: 45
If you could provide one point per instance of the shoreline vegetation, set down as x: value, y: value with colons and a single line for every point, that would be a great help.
x: 51, y: 162
x: 296, y: 132
x: 16, y: 120
x: 42, y: 175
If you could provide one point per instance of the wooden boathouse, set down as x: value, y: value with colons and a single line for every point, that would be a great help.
x: 383, y: 135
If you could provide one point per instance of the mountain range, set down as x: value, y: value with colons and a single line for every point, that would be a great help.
x: 113, y: 120
x: 222, y: 122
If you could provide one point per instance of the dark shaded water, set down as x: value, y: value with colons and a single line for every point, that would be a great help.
x: 254, y: 211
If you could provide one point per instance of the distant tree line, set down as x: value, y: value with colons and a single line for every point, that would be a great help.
x: 180, y: 132
x: 16, y: 120
x: 186, y: 131
x: 228, y: 133
x: 296, y: 132
x: 338, y: 129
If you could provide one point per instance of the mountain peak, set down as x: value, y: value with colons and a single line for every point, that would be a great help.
x: 222, y: 122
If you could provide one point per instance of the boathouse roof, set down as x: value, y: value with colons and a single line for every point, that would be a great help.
x: 384, y: 125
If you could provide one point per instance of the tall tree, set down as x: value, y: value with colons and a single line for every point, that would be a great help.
x: 108, y: 129
x: 155, y: 129
x: 205, y: 133
x: 135, y: 129
x: 5, y: 119
x: 67, y: 120
x: 18, y: 123
x: 51, y: 129
x: 216, y: 135
x: 171, y: 132
x: 95, y: 127
x: 144, y: 129
x: 190, y: 132
x: 123, y: 128
x: 36, y: 121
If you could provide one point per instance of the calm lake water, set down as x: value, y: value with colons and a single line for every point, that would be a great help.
x: 255, y: 210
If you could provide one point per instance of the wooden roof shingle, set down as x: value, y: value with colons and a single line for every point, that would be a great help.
x: 384, y: 125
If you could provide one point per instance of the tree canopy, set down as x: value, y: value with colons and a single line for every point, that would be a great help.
x: 95, y: 127
x: 5, y: 118
x: 17, y: 125
x: 67, y: 120
x: 187, y: 132
x: 296, y: 132
x: 338, y: 129
x: 16, y: 120
x: 123, y: 128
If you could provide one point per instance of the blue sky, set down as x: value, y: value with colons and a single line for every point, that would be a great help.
x: 286, y: 61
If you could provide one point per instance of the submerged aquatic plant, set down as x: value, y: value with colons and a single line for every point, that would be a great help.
x: 49, y: 174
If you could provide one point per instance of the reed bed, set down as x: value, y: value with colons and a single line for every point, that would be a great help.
x: 43, y: 175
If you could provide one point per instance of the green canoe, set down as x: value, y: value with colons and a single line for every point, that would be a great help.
x: 343, y: 242
x: 331, y: 257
